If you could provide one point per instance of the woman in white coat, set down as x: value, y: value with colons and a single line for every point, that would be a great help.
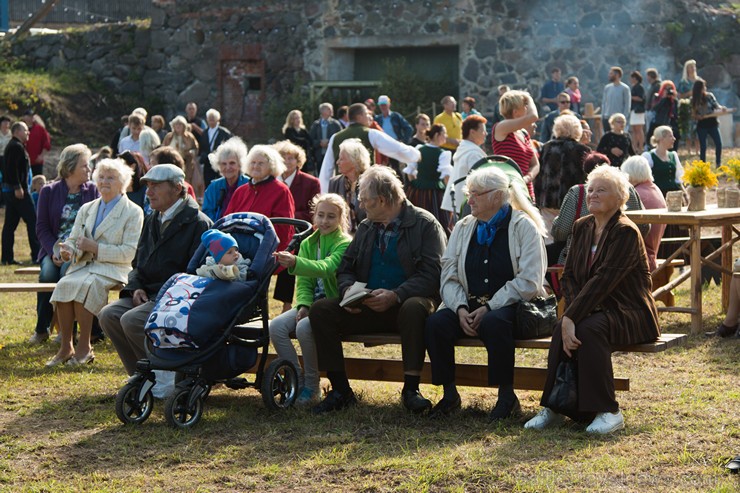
x: 100, y: 247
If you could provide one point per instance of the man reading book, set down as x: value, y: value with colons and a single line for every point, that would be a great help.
x: 396, y: 252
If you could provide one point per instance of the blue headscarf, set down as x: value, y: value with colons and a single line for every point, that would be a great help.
x: 487, y: 230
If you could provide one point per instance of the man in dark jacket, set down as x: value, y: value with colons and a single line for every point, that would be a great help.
x: 393, y: 123
x: 18, y: 202
x: 169, y: 238
x: 212, y: 137
x: 397, y: 252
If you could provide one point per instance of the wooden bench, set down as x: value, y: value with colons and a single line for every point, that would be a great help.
x: 27, y: 271
x: 27, y: 287
x: 473, y: 375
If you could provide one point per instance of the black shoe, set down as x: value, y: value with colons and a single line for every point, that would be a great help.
x: 11, y: 262
x: 334, y: 401
x: 96, y: 338
x: 445, y: 407
x: 415, y: 402
x: 504, y: 410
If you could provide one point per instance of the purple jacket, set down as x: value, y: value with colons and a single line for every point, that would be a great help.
x: 49, y: 212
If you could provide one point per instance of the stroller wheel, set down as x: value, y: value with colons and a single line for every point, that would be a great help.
x: 129, y: 408
x: 181, y: 411
x: 280, y: 385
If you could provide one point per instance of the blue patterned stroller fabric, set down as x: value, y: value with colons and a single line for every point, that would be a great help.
x: 190, y: 311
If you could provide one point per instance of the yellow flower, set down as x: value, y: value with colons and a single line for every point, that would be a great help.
x: 700, y: 174
x: 731, y: 169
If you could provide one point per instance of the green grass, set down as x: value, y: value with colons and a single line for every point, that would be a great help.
x: 59, y: 432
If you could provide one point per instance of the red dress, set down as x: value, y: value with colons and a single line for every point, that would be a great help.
x: 270, y: 197
x: 517, y: 146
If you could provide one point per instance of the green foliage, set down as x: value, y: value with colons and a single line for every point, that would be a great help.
x: 295, y: 98
x: 675, y: 28
x: 684, y: 116
x: 411, y: 90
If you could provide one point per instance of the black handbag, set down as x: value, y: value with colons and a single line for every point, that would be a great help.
x: 564, y: 394
x: 535, y: 318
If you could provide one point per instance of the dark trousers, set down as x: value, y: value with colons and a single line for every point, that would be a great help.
x: 44, y: 311
x: 37, y: 169
x: 595, y: 373
x: 496, y: 330
x: 15, y: 210
x: 284, y: 287
x: 329, y: 322
x: 702, y: 133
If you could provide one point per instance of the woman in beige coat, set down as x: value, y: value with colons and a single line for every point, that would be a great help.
x: 100, y: 248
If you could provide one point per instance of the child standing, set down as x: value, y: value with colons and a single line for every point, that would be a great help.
x: 225, y: 261
x: 315, y: 270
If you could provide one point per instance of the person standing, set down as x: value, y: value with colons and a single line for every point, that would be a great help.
x: 392, y: 122
x: 651, y: 98
x: 616, y: 99
x: 704, y: 110
x: 637, y: 112
x: 18, y: 202
x: 39, y: 141
x: 551, y: 89
x: 321, y: 131
x: 452, y: 120
x: 197, y: 125
x: 468, y: 153
x: 131, y: 141
x: 212, y: 137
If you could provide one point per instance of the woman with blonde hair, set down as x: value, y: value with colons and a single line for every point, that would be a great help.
x: 510, y: 138
x: 494, y: 259
x: 295, y: 131
x: 181, y: 139
x: 315, y: 268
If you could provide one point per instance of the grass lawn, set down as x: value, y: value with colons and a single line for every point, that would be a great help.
x: 59, y: 432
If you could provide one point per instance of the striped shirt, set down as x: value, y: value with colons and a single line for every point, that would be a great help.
x: 517, y: 146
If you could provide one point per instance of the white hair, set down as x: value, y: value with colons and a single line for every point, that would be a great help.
x: 232, y: 147
x: 215, y: 113
x: 638, y: 169
x: 273, y: 157
x: 613, y: 175
x: 119, y: 167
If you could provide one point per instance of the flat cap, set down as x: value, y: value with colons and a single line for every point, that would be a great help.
x: 165, y: 172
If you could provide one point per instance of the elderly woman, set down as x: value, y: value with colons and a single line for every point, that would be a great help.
x: 607, y: 288
x: 574, y: 206
x: 428, y: 178
x: 100, y: 248
x: 187, y: 145
x: 510, y: 137
x: 230, y: 160
x: 495, y: 258
x: 264, y: 193
x: 148, y: 141
x: 616, y: 144
x: 295, y: 131
x: 639, y: 175
x: 667, y: 169
x: 304, y: 188
x: 59, y: 203
x: 354, y: 160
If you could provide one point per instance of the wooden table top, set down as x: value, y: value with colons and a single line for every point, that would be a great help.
x: 712, y: 216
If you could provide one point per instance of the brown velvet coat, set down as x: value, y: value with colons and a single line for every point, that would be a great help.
x: 617, y: 282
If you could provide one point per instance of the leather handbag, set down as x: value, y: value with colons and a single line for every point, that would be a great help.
x: 564, y: 394
x: 536, y: 318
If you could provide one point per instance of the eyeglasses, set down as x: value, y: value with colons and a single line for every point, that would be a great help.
x: 477, y: 195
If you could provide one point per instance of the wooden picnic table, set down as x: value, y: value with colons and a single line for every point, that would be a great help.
x: 695, y: 221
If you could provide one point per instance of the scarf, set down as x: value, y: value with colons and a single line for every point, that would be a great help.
x: 487, y: 230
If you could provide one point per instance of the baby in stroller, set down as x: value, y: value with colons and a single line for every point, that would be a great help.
x: 194, y: 328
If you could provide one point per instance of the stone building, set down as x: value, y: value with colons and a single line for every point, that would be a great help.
x: 243, y: 56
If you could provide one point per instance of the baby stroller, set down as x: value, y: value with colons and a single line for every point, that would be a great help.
x: 208, y: 331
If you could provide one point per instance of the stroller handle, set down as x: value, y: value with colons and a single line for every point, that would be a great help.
x: 303, y: 230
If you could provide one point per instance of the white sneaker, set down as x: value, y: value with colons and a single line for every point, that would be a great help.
x: 606, y: 423
x: 39, y: 338
x: 546, y: 417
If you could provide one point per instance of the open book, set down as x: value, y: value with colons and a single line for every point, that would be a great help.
x: 354, y: 295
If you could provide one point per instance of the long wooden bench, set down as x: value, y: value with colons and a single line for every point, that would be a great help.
x: 473, y: 375
x: 28, y: 271
x: 33, y: 287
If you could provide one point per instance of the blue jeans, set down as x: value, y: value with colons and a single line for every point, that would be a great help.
x: 702, y: 133
x: 44, y: 310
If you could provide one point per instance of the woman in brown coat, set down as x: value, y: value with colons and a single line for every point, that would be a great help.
x: 607, y: 288
x: 187, y: 145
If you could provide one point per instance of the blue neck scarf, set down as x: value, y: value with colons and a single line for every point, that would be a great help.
x: 487, y: 230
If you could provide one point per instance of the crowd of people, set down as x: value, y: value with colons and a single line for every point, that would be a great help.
x: 386, y: 200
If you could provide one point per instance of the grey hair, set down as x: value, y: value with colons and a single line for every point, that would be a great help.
x: 358, y: 154
x: 638, y: 169
x: 491, y: 178
x: 179, y: 119
x: 232, y: 147
x: 567, y: 127
x: 382, y: 182
x: 215, y: 113
x: 124, y: 172
x: 148, y: 141
x: 326, y: 105
x: 69, y: 158
x: 613, y: 175
x: 273, y: 157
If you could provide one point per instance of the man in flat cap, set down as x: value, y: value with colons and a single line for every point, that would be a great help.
x: 169, y: 238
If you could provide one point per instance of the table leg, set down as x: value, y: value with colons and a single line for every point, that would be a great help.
x: 696, y: 282
x: 727, y: 264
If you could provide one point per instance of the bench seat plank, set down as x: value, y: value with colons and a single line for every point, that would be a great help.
x: 24, y: 271
x: 27, y: 287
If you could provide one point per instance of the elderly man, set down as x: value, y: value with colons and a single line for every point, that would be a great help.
x: 18, y: 202
x: 452, y: 121
x: 322, y: 130
x: 169, y: 238
x: 212, y: 137
x: 197, y: 125
x: 373, y: 140
x: 396, y: 251
x: 392, y: 122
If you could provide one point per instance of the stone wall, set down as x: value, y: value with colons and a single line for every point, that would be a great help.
x: 239, y: 57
